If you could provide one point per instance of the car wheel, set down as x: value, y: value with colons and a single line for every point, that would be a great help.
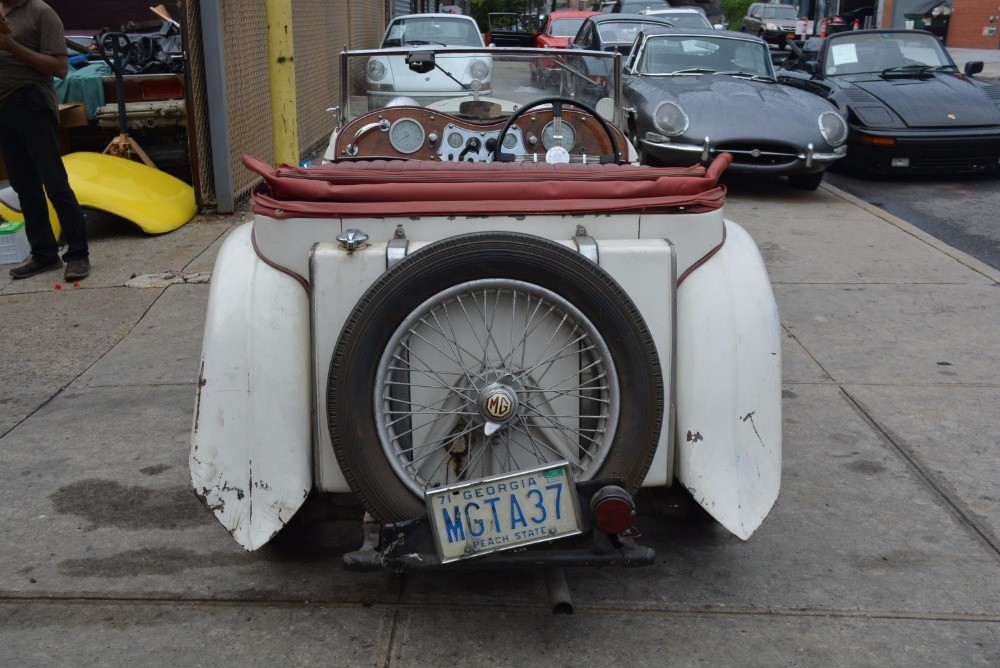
x: 489, y: 353
x: 806, y: 181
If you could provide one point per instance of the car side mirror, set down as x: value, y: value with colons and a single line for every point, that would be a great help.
x: 973, y: 67
x: 811, y: 66
x: 420, y: 62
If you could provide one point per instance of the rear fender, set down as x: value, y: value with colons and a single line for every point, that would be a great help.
x: 729, y: 386
x: 251, y: 443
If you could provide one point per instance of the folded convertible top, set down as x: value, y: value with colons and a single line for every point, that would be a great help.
x: 378, y: 188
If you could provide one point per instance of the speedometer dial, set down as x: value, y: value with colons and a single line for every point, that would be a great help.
x: 406, y: 135
x: 568, y: 140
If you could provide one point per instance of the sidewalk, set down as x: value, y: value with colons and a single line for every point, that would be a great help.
x: 990, y: 58
x: 883, y: 548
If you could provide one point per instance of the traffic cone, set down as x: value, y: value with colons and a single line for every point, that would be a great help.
x: 856, y: 24
x: 822, y: 33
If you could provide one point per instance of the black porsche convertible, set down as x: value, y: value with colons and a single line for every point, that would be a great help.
x: 909, y: 108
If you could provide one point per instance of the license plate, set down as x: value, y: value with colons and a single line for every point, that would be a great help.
x: 503, y: 512
x: 790, y: 35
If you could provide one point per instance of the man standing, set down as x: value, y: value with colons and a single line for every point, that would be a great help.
x: 32, y: 51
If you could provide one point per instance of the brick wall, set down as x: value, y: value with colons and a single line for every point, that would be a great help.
x: 968, y: 21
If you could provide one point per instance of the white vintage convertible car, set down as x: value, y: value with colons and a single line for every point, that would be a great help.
x: 486, y: 324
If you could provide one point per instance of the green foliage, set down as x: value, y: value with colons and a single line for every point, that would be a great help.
x: 481, y: 10
x: 734, y: 11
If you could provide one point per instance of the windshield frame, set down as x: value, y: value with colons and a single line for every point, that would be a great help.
x: 363, y: 55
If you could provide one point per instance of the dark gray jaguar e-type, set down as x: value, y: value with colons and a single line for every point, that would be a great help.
x: 692, y: 94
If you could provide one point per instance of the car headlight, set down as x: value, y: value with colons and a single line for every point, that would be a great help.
x: 771, y: 26
x: 833, y: 128
x: 479, y: 69
x: 376, y: 70
x: 670, y: 119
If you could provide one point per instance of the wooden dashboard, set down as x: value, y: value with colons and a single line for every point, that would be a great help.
x: 419, y: 133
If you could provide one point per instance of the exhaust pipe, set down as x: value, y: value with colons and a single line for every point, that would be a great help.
x: 555, y: 582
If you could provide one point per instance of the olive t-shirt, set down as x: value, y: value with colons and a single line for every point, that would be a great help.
x: 37, y: 26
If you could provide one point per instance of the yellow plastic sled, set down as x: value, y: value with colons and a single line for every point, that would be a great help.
x: 155, y: 201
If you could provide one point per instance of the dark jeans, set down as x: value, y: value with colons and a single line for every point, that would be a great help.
x: 29, y: 139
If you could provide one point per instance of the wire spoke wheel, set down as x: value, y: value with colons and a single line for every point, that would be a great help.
x: 490, y: 353
x: 493, y: 376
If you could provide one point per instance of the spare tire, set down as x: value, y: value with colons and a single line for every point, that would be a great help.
x: 487, y: 353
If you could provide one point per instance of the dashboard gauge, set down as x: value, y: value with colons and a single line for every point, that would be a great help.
x: 455, y: 140
x: 510, y: 140
x: 568, y: 136
x: 406, y: 135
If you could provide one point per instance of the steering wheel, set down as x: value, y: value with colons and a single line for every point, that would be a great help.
x: 557, y: 105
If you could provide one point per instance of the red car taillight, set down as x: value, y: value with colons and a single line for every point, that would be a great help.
x: 162, y: 89
x: 613, y: 509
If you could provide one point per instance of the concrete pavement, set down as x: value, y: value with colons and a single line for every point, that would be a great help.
x: 883, y: 548
x: 989, y: 57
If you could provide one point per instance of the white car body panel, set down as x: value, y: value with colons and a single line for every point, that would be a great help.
x: 727, y: 356
x: 251, y: 444
x: 729, y: 386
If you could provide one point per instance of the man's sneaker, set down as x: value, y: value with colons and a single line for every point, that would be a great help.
x: 77, y: 269
x: 33, y: 267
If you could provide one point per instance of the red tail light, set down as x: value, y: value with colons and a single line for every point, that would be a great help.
x: 161, y: 89
x: 613, y: 509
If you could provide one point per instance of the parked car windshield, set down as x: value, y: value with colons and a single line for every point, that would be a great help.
x: 619, y: 32
x: 565, y: 27
x: 683, y: 19
x: 434, y: 30
x: 780, y: 13
x: 697, y: 54
x: 848, y: 53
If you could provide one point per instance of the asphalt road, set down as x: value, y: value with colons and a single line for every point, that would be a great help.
x: 960, y: 211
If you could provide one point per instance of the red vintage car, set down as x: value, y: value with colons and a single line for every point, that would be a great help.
x: 560, y: 27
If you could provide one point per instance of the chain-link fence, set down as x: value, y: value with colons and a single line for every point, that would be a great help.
x: 321, y: 28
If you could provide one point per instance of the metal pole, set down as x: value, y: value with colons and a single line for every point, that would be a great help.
x: 218, y: 104
x: 281, y: 66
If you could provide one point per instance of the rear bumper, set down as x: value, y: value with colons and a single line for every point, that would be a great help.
x: 928, y: 153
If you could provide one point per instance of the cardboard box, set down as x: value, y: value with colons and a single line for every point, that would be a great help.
x: 72, y: 115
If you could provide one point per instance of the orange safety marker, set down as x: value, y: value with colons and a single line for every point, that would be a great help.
x: 856, y: 24
x: 822, y: 34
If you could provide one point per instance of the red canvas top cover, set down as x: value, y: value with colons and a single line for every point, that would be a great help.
x: 386, y: 188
